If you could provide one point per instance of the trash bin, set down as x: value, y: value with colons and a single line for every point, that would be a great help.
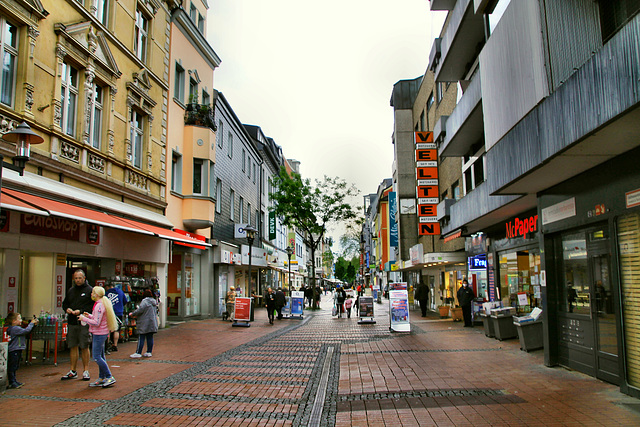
x: 503, y: 327
x: 488, y: 325
x: 530, y: 334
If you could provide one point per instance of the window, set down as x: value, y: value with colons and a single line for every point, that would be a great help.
x: 230, y: 145
x: 102, y: 11
x: 455, y: 190
x: 254, y: 173
x: 69, y: 98
x: 496, y: 14
x: 198, y: 176
x: 241, y: 212
x: 193, y: 91
x: 232, y: 208
x: 201, y: 23
x: 137, y: 131
x: 193, y: 12
x: 244, y: 161
x: 218, y: 195
x: 439, y: 91
x: 249, y: 168
x: 206, y: 99
x: 430, y: 101
x: 9, y: 46
x: 178, y: 90
x: 141, y: 36
x: 220, y: 134
x: 615, y: 14
x: 422, y: 121
x: 176, y: 172
x: 95, y: 119
x: 473, y: 171
x: 249, y: 213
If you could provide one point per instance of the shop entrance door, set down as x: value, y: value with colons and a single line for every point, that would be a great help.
x: 587, y: 326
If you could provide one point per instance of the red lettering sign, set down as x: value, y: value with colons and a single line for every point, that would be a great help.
x: 427, y: 210
x: 424, y: 137
x: 426, y: 155
x: 243, y: 309
x: 522, y: 227
x: 427, y: 173
x: 427, y: 191
x: 93, y: 234
x: 429, y: 228
x: 50, y: 226
x: 5, y: 335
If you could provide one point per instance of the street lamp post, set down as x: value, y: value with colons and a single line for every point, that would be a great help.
x: 23, y: 137
x: 289, y: 251
x: 250, y: 231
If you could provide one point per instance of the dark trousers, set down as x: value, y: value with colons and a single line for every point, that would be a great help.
x: 13, y: 365
x: 279, y: 311
x: 270, y: 313
x: 423, y: 307
x: 466, y: 313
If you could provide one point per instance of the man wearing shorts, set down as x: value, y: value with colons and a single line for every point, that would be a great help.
x: 77, y: 301
x: 117, y: 298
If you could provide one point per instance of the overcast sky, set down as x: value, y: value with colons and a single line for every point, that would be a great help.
x: 317, y: 76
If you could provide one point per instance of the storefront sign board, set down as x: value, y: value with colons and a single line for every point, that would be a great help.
x: 297, y: 303
x: 242, y: 309
x: 559, y: 211
x: 366, y: 310
x: 399, y: 311
x: 632, y: 198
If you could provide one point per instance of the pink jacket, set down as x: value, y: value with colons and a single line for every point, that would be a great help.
x: 97, y: 320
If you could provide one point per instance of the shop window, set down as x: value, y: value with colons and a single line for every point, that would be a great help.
x: 629, y: 250
x: 9, y: 46
x: 575, y: 285
x: 141, y: 36
x: 69, y: 95
x: 520, y: 285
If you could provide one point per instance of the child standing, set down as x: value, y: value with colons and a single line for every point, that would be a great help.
x: 101, y: 321
x: 16, y: 345
x: 347, y: 306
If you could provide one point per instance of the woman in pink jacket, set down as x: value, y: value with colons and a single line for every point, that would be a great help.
x: 101, y: 321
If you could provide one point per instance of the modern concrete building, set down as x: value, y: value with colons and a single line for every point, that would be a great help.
x: 549, y: 113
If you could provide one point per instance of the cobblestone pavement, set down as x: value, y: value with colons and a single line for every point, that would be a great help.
x: 320, y: 371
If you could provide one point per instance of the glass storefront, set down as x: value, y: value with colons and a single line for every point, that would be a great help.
x: 520, y: 285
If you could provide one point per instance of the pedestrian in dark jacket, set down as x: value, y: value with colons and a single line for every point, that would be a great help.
x: 146, y: 324
x: 422, y: 295
x: 281, y: 301
x: 18, y: 343
x: 270, y: 302
x: 77, y: 301
x: 465, y: 298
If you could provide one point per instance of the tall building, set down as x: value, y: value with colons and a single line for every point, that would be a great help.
x: 548, y: 112
x: 90, y: 78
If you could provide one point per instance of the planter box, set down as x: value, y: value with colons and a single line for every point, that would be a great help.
x: 456, y: 314
x: 444, y: 312
x: 530, y: 334
x: 503, y: 327
x: 488, y: 325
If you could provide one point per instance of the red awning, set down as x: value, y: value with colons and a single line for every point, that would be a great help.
x: 7, y: 201
x: 198, y: 237
x: 452, y: 236
x: 22, y: 201
x: 76, y: 213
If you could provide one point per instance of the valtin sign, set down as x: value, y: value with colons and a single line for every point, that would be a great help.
x: 427, y: 189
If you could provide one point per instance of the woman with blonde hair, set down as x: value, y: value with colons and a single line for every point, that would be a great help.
x: 101, y: 322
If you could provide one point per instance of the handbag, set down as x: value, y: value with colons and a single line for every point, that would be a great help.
x: 334, y: 311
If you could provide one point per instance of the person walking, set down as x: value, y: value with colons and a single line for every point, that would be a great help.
x: 101, y: 321
x: 230, y: 301
x: 270, y: 302
x: 18, y: 342
x: 347, y: 306
x: 341, y: 296
x: 77, y: 301
x: 465, y: 298
x: 146, y: 324
x: 422, y: 295
x: 117, y: 298
x: 281, y: 301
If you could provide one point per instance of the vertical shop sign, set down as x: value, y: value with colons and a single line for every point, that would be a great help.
x: 93, y: 234
x: 491, y: 277
x: 393, y: 223
x: 272, y: 225
x: 427, y: 180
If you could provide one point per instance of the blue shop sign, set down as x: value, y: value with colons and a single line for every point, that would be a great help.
x: 478, y: 262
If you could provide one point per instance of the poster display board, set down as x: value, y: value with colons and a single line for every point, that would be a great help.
x: 297, y: 304
x: 366, y: 310
x: 399, y: 311
x: 242, y: 312
x: 286, y: 310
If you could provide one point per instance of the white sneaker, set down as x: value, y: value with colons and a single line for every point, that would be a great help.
x: 86, y: 376
x: 136, y: 356
x: 147, y: 354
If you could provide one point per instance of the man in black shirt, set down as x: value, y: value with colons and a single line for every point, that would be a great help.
x: 77, y: 301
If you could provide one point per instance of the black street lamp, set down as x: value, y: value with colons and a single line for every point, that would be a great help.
x: 289, y: 251
x: 23, y: 137
x: 251, y: 234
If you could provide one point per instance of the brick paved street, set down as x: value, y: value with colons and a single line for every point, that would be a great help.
x: 320, y: 371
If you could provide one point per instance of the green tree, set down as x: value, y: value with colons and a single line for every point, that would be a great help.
x: 312, y: 208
